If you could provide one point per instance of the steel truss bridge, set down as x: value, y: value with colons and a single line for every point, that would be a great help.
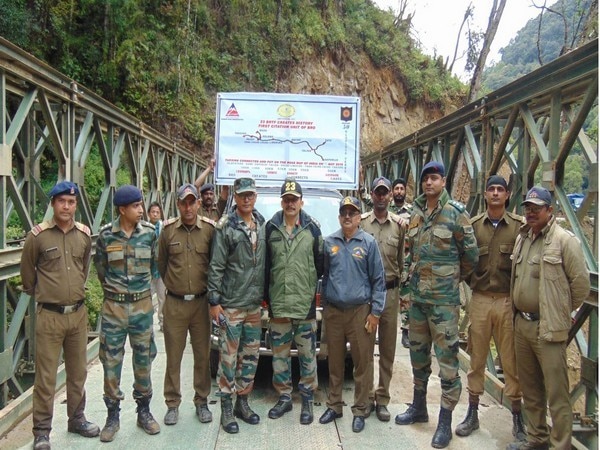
x: 527, y: 131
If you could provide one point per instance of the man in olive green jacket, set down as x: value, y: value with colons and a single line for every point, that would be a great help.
x: 294, y: 264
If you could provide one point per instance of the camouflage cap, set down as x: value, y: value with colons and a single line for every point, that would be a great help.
x: 350, y: 201
x: 64, y: 187
x: 242, y: 185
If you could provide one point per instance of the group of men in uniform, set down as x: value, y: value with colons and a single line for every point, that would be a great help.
x: 528, y: 273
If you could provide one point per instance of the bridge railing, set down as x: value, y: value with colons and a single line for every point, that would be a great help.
x: 527, y: 131
x: 52, y: 128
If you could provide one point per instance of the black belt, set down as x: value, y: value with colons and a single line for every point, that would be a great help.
x: 127, y: 298
x: 391, y: 284
x: 187, y: 297
x: 63, y: 309
x: 531, y: 317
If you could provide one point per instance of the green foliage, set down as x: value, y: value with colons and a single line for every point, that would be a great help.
x: 520, y: 56
x: 164, y: 62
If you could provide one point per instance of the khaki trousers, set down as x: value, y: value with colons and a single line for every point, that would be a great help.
x: 492, y: 316
x: 55, y: 332
x: 179, y: 317
x: 387, y: 331
x: 542, y: 368
x: 349, y: 325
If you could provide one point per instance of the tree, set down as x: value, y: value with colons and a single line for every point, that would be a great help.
x: 488, y: 38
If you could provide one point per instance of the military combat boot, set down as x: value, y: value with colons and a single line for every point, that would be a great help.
x: 144, y: 416
x: 417, y: 411
x: 243, y: 411
x: 471, y: 422
x: 519, y: 431
x: 227, y: 420
x: 443, y: 433
x: 112, y: 420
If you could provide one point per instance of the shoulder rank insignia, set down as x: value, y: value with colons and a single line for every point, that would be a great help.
x: 457, y: 205
x: 39, y: 228
x: 208, y: 220
x: 83, y: 228
x: 170, y: 221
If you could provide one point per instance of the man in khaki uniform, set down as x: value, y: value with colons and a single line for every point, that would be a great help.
x: 208, y: 208
x: 549, y: 280
x: 490, y: 309
x: 388, y: 231
x: 183, y: 258
x: 54, y: 268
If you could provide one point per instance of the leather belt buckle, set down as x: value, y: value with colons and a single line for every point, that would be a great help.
x: 189, y: 297
x: 68, y: 309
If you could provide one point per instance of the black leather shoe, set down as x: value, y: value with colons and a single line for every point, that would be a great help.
x: 358, y: 423
x: 203, y: 413
x: 329, y: 416
x: 281, y: 407
x: 369, y: 410
x: 405, y: 340
x: 382, y: 413
x: 85, y: 429
x: 172, y: 416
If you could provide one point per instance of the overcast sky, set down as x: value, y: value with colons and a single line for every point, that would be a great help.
x: 436, y: 24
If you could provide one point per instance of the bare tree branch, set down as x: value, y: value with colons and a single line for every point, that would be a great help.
x: 490, y: 34
x: 468, y: 14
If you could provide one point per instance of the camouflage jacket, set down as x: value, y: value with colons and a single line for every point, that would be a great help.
x: 443, y: 251
x: 125, y: 264
x: 236, y: 275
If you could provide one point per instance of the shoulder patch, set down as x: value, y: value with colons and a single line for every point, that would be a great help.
x: 457, y: 205
x: 315, y: 221
x: 170, y: 221
x: 39, y: 228
x: 107, y: 226
x: 207, y: 220
x: 83, y: 228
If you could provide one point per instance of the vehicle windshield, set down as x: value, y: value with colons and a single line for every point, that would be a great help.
x: 323, y: 206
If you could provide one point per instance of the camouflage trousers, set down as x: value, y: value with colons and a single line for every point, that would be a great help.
x: 438, y: 325
x: 119, y: 320
x: 239, y: 344
x: 303, y: 333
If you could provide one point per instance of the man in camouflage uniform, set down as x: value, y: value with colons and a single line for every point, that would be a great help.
x: 294, y: 264
x: 54, y: 268
x: 125, y: 260
x: 443, y: 252
x: 403, y: 209
x: 388, y: 231
x: 490, y: 308
x: 235, y: 291
x: 183, y: 259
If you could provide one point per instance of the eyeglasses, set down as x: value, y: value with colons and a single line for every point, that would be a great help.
x: 246, y: 195
x: 349, y: 214
x: 533, y: 209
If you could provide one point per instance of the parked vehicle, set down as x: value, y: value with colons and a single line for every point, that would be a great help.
x: 323, y: 205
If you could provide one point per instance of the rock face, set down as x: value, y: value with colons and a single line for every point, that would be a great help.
x: 386, y: 114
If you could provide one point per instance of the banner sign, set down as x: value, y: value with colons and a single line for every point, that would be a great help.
x: 270, y: 137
